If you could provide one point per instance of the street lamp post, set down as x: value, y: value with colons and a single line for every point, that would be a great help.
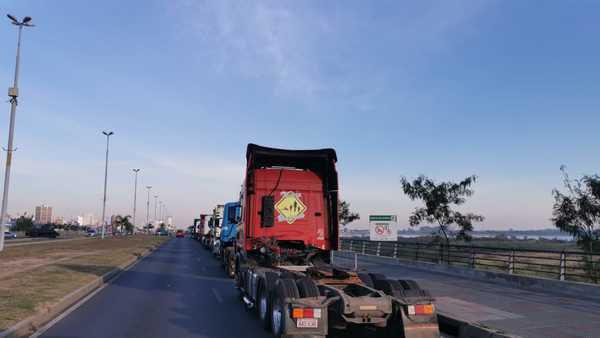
x: 136, y: 171
x: 107, y: 134
x: 155, y: 201
x: 160, y: 219
x: 13, y: 93
x: 149, y: 187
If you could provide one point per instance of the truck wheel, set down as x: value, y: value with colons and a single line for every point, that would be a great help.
x: 387, y: 286
x: 285, y: 288
x: 263, y: 306
x: 413, y: 289
x: 409, y: 284
x: 307, y: 288
x: 230, y: 266
x: 366, y: 279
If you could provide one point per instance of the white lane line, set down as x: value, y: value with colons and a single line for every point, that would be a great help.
x: 74, y: 307
x: 217, y: 295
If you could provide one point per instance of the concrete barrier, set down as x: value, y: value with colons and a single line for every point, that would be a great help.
x: 584, y: 291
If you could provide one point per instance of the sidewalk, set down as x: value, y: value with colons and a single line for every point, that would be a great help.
x: 517, y: 311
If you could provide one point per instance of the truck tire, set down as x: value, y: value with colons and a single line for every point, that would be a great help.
x: 366, y: 279
x: 307, y: 288
x: 263, y: 305
x: 377, y: 276
x: 409, y: 284
x: 412, y: 289
x: 285, y: 288
x: 387, y: 286
x: 230, y: 267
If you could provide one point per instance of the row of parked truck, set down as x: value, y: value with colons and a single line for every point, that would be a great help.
x: 276, y: 241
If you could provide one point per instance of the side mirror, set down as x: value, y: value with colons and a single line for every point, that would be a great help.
x: 267, y: 213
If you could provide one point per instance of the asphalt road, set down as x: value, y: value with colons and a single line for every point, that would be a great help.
x: 178, y: 291
x: 531, y: 314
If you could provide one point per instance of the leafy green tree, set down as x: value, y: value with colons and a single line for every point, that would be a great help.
x: 439, y: 200
x: 346, y: 216
x: 577, y: 211
x: 24, y: 224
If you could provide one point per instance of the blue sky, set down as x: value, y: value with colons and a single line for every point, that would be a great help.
x: 506, y: 90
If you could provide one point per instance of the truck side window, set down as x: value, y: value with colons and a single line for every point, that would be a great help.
x: 231, y: 215
x: 267, y: 219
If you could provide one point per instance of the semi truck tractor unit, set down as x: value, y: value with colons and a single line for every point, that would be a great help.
x: 288, y: 228
x: 211, y: 240
x: 198, y: 227
x: 231, y: 216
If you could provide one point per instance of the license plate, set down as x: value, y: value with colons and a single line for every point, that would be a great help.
x: 307, y: 323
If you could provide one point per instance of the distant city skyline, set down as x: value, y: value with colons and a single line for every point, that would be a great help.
x: 503, y: 90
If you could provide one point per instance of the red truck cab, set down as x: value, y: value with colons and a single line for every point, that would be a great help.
x: 289, y: 200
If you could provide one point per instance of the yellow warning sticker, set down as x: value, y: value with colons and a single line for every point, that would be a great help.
x: 290, y: 207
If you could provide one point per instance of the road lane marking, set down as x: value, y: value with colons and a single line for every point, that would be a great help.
x: 82, y: 301
x: 217, y: 295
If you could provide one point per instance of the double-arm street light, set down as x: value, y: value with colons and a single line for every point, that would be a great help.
x: 13, y: 93
x: 107, y: 134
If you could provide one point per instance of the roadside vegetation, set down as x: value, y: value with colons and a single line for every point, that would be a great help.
x: 34, y: 277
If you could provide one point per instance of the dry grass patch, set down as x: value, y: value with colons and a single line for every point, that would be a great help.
x: 28, y: 290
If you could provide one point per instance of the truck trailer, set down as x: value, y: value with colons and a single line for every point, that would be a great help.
x: 288, y: 229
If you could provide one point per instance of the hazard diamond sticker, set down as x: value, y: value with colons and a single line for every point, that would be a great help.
x: 290, y: 207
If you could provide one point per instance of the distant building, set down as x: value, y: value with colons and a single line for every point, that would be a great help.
x: 87, y: 220
x: 43, y: 214
x: 59, y: 220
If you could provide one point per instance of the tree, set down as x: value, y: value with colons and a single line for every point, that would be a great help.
x: 123, y: 223
x: 439, y: 199
x: 577, y: 211
x: 346, y: 216
x: 24, y: 224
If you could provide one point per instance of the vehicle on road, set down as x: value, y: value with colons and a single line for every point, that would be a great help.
x: 212, y: 238
x: 231, y: 216
x: 288, y: 228
x: 180, y: 234
x: 9, y: 235
x: 42, y: 230
x: 91, y: 233
x: 162, y: 232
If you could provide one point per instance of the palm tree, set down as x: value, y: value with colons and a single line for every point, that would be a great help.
x: 123, y: 223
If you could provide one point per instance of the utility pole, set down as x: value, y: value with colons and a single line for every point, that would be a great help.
x: 107, y: 134
x: 13, y: 93
x: 149, y: 187
x: 136, y: 171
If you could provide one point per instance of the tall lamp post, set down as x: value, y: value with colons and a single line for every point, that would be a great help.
x: 136, y: 171
x: 149, y: 187
x: 160, y: 205
x: 107, y: 134
x: 155, y: 201
x: 13, y: 93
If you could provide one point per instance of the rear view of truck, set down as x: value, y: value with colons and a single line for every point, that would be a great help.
x: 288, y: 228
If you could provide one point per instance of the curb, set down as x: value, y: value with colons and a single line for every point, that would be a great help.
x: 30, y: 325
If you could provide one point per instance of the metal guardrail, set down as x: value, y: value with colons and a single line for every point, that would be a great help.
x: 561, y: 265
